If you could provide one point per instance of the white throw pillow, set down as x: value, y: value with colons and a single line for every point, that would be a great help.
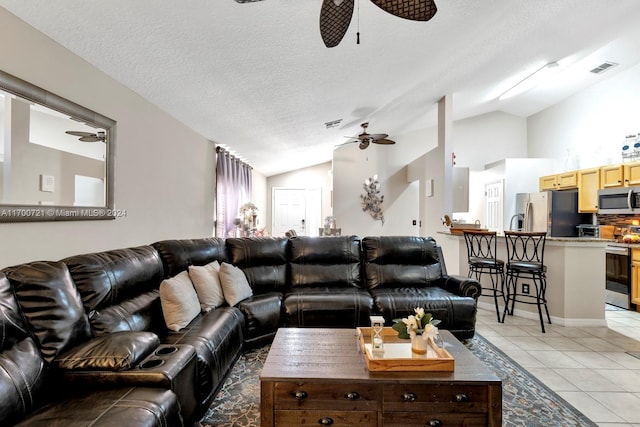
x: 179, y: 301
x: 235, y: 286
x: 207, y: 283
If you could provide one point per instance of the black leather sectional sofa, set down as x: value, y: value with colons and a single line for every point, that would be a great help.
x: 83, y: 340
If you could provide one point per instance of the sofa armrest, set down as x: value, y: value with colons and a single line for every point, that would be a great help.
x: 463, y: 286
x: 171, y: 367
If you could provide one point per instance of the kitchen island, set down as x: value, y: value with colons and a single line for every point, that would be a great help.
x: 575, y: 277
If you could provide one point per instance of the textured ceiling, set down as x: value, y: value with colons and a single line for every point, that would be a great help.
x: 257, y: 78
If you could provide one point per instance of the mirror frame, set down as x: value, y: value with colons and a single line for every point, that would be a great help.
x: 29, y: 213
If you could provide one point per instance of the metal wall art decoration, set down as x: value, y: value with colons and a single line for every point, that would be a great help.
x: 372, y: 199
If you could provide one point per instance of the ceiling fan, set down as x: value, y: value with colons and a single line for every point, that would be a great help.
x: 364, y: 139
x: 88, y: 136
x: 335, y: 15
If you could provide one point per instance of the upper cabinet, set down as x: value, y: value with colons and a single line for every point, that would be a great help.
x: 589, y: 181
x: 620, y: 175
x: 560, y: 181
x: 548, y: 182
x: 567, y: 180
x: 588, y: 186
x: 611, y: 176
x: 632, y: 174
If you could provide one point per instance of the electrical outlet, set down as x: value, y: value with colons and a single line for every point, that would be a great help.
x: 525, y: 288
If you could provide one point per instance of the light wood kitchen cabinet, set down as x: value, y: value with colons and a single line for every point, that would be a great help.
x: 567, y: 180
x: 588, y: 186
x: 548, y: 182
x: 611, y: 176
x: 559, y: 181
x: 632, y: 174
x: 635, y: 276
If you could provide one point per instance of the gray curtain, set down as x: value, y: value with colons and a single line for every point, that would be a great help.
x: 233, y: 188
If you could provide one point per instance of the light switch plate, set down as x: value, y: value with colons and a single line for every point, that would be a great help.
x: 47, y: 183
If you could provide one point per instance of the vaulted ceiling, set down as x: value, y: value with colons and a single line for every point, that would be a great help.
x: 257, y: 78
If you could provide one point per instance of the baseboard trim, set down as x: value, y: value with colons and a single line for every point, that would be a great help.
x: 554, y: 320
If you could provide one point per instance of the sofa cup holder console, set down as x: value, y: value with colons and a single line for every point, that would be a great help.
x: 159, y: 356
x: 165, y: 350
x: 151, y: 363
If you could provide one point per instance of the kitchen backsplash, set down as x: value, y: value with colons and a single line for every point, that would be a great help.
x: 618, y: 219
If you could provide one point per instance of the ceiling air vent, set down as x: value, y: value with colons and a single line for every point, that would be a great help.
x: 603, y: 67
x: 333, y: 124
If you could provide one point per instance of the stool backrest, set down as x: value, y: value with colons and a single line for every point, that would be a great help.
x: 480, y: 244
x: 525, y: 246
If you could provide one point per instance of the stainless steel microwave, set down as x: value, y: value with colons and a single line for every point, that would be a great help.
x: 620, y: 200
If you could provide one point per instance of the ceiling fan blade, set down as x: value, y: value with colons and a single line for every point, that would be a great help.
x: 79, y: 133
x: 246, y: 1
x: 345, y: 143
x: 383, y: 141
x: 375, y: 136
x: 363, y: 144
x: 335, y: 20
x: 90, y: 138
x: 415, y: 10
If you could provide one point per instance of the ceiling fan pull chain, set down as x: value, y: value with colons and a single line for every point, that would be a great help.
x: 358, y: 33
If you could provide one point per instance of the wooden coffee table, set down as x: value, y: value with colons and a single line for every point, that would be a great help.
x: 319, y: 377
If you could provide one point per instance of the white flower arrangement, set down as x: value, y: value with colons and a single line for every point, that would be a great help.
x: 420, y: 323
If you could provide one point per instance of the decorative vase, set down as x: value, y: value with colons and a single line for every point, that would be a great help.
x: 418, y: 345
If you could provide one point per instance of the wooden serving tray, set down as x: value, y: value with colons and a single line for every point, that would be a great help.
x: 399, y: 357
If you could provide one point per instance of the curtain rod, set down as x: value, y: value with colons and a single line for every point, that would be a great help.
x: 219, y: 150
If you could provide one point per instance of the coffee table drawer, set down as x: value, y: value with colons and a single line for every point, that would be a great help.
x: 327, y: 418
x: 338, y: 396
x: 405, y: 419
x: 435, y: 398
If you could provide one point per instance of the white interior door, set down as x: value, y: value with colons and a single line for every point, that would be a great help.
x: 493, y: 205
x: 296, y: 208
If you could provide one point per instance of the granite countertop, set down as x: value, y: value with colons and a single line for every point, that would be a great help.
x: 566, y: 239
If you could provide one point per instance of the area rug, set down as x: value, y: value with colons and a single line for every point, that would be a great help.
x: 526, y: 402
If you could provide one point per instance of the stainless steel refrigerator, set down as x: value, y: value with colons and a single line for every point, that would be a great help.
x: 555, y: 212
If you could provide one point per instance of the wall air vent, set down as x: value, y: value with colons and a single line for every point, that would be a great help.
x: 603, y: 67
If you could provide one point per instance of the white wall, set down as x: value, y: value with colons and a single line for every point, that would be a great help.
x: 484, y: 139
x: 164, y: 172
x: 588, y: 129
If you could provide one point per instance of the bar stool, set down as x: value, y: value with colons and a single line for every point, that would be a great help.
x: 482, y: 259
x: 525, y: 260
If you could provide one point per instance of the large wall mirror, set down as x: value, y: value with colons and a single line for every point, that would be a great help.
x: 56, y: 157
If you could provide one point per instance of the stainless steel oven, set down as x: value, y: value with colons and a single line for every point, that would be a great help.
x: 618, y: 276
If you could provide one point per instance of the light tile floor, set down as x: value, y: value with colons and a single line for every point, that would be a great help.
x: 591, y: 368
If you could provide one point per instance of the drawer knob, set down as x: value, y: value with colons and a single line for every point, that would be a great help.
x: 434, y: 423
x: 325, y: 421
x: 409, y: 397
x: 461, y: 397
x: 300, y: 394
x: 352, y: 395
